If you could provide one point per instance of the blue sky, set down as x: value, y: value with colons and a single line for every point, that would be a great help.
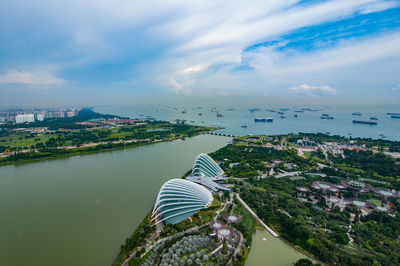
x: 123, y: 51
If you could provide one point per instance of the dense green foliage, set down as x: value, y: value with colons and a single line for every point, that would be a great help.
x: 315, y: 227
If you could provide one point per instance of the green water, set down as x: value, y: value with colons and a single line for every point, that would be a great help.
x: 267, y: 250
x: 79, y: 210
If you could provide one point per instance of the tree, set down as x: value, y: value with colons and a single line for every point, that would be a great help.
x: 303, y: 262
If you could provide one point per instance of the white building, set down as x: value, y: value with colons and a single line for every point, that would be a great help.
x: 40, y: 117
x: 23, y: 118
x: 70, y: 114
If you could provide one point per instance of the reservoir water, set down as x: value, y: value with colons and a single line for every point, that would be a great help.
x: 268, y: 250
x: 79, y: 210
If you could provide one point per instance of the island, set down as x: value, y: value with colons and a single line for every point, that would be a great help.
x: 334, y: 199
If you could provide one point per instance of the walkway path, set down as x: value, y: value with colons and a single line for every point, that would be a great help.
x: 272, y: 232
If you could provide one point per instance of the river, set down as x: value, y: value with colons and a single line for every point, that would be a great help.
x: 79, y: 210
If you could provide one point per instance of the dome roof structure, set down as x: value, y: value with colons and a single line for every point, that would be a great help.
x: 179, y: 199
x: 204, y: 165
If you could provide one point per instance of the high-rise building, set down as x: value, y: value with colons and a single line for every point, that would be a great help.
x: 40, y: 117
x: 24, y: 118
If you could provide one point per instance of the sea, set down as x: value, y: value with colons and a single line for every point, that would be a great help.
x: 240, y: 120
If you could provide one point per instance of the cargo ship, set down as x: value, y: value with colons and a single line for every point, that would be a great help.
x: 365, y: 122
x: 326, y: 116
x: 263, y: 119
x: 395, y: 116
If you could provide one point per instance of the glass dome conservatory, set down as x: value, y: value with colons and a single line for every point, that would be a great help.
x: 204, y: 165
x: 179, y: 199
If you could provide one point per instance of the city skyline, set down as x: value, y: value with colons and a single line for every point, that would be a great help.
x: 125, y: 52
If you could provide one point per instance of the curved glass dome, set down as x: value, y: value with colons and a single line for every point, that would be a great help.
x: 179, y: 199
x: 204, y: 165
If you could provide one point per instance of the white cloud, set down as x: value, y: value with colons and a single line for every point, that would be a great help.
x: 30, y: 78
x: 182, y: 87
x: 308, y: 90
x: 201, y: 41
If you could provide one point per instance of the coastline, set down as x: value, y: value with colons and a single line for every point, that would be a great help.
x: 92, y: 150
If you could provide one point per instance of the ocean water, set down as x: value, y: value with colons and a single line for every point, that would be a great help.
x: 307, y: 122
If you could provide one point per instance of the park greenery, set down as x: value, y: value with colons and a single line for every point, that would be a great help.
x: 333, y: 235
x: 23, y: 146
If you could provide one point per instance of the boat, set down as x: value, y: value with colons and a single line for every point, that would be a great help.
x: 356, y: 113
x: 200, y: 114
x: 365, y: 122
x: 284, y: 109
x: 252, y: 110
x: 395, y: 116
x: 299, y: 111
x: 220, y: 115
x: 295, y: 115
x: 184, y: 111
x: 281, y: 113
x: 244, y: 125
x: 282, y: 116
x: 263, y: 119
x: 272, y: 111
x: 327, y: 117
x: 373, y: 118
x: 230, y: 109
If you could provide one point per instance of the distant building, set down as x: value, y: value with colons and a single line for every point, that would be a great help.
x: 24, y: 118
x: 70, y: 114
x: 39, y: 117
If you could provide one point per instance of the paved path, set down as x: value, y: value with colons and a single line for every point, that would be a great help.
x: 272, y: 232
x: 238, y: 247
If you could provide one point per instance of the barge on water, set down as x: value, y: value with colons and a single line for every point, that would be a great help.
x: 365, y: 122
x: 264, y: 119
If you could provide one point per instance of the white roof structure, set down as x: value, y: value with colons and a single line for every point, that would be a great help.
x: 207, y: 173
x: 179, y: 199
x: 204, y: 165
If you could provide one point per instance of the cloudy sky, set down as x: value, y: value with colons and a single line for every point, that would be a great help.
x: 101, y: 51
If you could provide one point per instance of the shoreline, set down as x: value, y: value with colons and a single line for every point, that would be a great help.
x: 92, y: 150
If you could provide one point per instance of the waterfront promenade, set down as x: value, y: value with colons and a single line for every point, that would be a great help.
x: 272, y: 232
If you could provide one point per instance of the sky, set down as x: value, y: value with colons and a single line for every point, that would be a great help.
x: 100, y: 52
